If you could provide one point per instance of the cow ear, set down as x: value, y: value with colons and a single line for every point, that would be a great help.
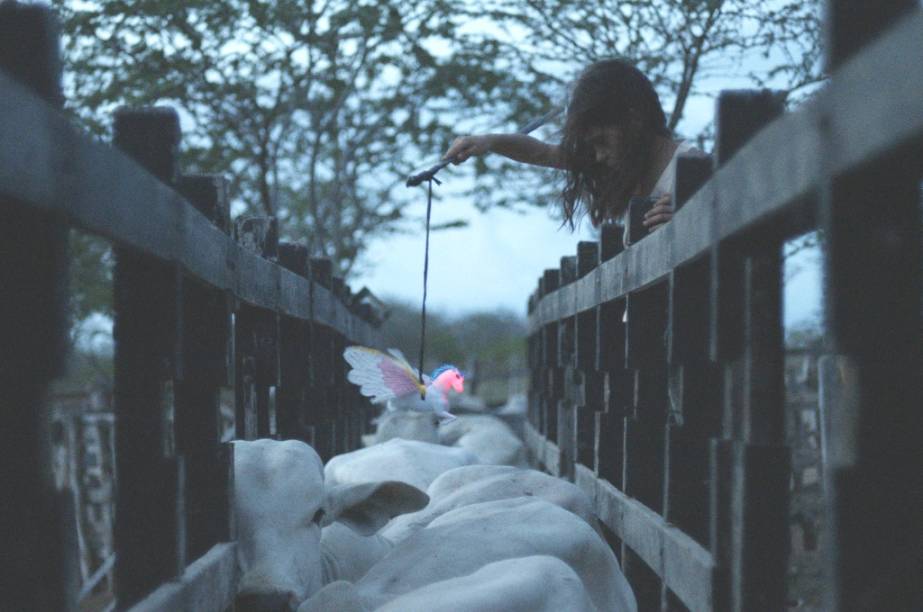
x: 365, y: 508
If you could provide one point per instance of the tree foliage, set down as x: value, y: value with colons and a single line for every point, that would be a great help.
x: 315, y: 110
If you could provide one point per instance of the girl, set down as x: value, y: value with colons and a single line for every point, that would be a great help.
x: 615, y: 145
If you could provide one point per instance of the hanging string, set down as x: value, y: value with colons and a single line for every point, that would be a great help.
x: 429, y: 175
x: 429, y: 209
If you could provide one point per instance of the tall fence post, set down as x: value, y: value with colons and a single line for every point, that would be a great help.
x: 147, y: 331
x: 256, y: 334
x: 694, y: 404
x: 610, y: 360
x: 207, y: 318
x: 693, y: 417
x: 645, y: 423
x: 39, y: 559
x: 552, y: 375
x: 572, y: 382
x: 871, y: 221
x: 294, y: 350
x: 750, y: 462
x: 532, y: 362
x: 586, y: 337
x: 323, y: 361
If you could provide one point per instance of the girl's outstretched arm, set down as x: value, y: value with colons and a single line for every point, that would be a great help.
x: 517, y: 147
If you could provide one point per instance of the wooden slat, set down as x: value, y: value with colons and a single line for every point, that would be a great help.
x: 871, y: 220
x: 544, y: 451
x: 39, y: 561
x: 147, y: 329
x: 684, y: 565
x: 205, y: 360
x: 47, y: 163
x: 258, y: 330
x: 294, y: 355
x: 776, y: 170
x: 209, y: 584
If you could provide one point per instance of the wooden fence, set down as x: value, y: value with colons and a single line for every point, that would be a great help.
x: 672, y: 418
x: 196, y: 309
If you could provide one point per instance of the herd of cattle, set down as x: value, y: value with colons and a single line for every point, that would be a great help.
x: 425, y: 517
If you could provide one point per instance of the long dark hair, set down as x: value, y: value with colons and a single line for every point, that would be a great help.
x: 609, y: 92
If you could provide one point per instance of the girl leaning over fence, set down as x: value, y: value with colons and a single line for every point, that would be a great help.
x: 615, y: 145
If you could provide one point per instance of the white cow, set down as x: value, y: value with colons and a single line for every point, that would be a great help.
x: 458, y: 548
x: 538, y: 583
x: 475, y: 484
x: 415, y: 463
x: 406, y: 424
x: 525, y: 584
x: 490, y: 439
x: 354, y: 554
x: 281, y: 504
x: 349, y: 555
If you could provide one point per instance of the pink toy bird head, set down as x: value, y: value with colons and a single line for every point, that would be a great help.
x: 447, y: 377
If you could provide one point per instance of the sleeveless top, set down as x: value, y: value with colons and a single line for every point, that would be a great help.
x: 664, y: 184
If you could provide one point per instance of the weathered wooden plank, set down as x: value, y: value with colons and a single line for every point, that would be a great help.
x: 49, y: 164
x: 725, y: 514
x: 871, y: 219
x: 545, y: 451
x: 592, y: 404
x: 741, y: 114
x: 610, y: 439
x: 323, y: 362
x: 205, y: 340
x: 208, y: 584
x: 257, y: 330
x: 684, y: 565
x: 146, y: 329
x: 534, y: 442
x: 585, y: 480
x: 849, y: 25
x: 38, y: 537
x: 294, y: 355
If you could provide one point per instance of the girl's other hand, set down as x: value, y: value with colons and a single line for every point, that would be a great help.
x: 467, y: 146
x: 660, y: 213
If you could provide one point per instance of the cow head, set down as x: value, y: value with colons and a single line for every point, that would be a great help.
x: 281, y: 504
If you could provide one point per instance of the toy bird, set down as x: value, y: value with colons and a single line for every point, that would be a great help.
x: 390, y: 378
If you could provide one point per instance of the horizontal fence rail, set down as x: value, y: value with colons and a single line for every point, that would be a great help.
x: 47, y: 163
x: 657, y: 369
x: 203, y: 307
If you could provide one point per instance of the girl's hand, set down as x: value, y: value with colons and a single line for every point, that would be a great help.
x: 660, y: 213
x: 467, y: 146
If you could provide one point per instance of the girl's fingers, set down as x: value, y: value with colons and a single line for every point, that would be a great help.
x: 657, y: 215
x: 660, y: 217
x: 661, y: 202
x: 658, y: 220
x: 658, y: 209
x: 459, y: 151
x: 458, y: 146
